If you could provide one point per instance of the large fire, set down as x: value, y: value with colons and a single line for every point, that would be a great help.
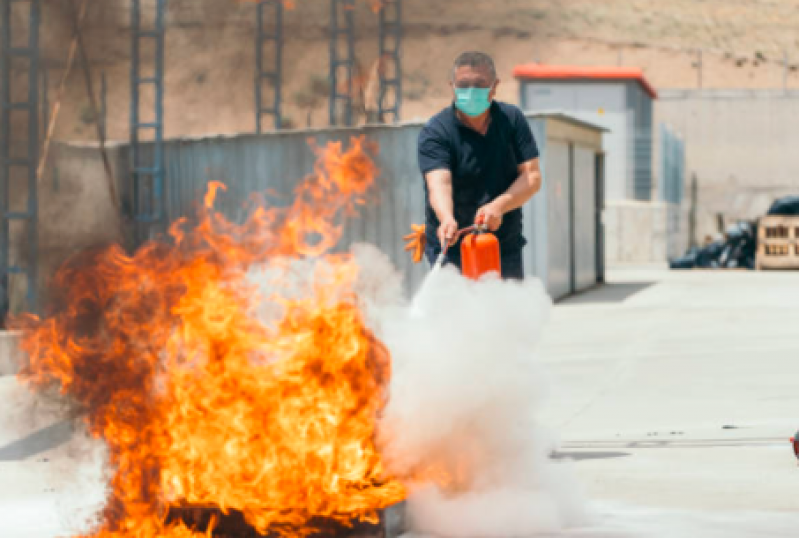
x: 200, y: 400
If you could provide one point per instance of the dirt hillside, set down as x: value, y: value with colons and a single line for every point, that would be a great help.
x: 210, y: 51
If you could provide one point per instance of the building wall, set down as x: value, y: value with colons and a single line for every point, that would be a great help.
x: 75, y: 212
x: 644, y: 232
x: 600, y: 103
x: 740, y: 146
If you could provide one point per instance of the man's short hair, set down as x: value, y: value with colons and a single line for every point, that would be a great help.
x: 477, y: 60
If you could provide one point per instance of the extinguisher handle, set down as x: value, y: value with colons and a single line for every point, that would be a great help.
x: 480, y: 224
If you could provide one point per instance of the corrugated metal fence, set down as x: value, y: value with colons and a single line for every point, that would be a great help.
x: 276, y: 162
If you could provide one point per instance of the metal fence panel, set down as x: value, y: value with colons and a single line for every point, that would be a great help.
x: 274, y: 163
x: 672, y: 167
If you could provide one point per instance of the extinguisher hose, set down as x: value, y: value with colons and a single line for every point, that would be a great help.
x: 463, y: 231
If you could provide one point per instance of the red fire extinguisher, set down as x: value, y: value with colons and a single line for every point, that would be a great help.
x: 480, y: 253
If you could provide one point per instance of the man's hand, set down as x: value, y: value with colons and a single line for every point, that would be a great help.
x: 447, y: 231
x: 490, y: 215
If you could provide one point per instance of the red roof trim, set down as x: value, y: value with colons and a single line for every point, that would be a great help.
x: 561, y: 72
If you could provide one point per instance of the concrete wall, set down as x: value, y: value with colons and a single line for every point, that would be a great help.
x: 644, y: 232
x: 9, y: 353
x: 740, y: 146
x: 75, y: 212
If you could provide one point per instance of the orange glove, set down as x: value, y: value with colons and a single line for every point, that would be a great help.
x: 416, y: 242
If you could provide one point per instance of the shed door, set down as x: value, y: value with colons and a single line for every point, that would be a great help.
x: 559, y: 221
x: 600, y: 223
x: 585, y: 248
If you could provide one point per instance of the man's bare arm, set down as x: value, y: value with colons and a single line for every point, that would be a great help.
x: 523, y: 188
x: 439, y: 186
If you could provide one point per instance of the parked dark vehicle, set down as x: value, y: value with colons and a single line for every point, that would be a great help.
x: 736, y: 251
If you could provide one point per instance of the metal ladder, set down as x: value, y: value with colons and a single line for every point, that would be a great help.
x: 17, y: 170
x: 341, y: 102
x: 148, y: 177
x: 390, y: 30
x: 273, y: 75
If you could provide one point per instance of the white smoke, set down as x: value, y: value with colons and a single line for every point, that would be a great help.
x: 465, y: 393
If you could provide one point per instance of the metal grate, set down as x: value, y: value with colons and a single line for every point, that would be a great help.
x: 390, y: 60
x: 672, y: 167
x: 342, y: 63
x: 147, y: 167
x: 269, y: 42
x: 18, y: 171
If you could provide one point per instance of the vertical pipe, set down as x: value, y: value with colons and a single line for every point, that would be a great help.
x: 699, y: 68
x: 785, y: 71
x: 33, y: 157
x: 259, y: 67
x: 45, y: 101
x: 5, y: 143
x: 158, y: 191
x: 333, y: 60
x: 350, y: 15
x: 278, y: 80
x: 103, y: 105
x: 398, y: 60
x: 381, y: 54
x: 135, y: 28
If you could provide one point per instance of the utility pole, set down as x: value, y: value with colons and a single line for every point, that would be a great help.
x: 785, y: 71
x: 699, y: 68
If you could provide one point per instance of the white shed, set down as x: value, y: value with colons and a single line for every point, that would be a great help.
x: 618, y: 99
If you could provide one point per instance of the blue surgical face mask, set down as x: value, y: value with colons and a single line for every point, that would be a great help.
x: 472, y: 101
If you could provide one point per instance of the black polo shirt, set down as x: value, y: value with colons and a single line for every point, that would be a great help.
x: 482, y: 166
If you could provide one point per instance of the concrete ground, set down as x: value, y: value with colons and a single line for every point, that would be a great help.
x: 674, y: 393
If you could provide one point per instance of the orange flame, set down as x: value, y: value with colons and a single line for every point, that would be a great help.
x: 202, y: 403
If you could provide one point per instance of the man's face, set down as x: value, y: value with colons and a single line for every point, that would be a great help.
x: 474, y: 77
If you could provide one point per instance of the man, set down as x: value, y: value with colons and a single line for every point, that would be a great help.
x: 480, y: 164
